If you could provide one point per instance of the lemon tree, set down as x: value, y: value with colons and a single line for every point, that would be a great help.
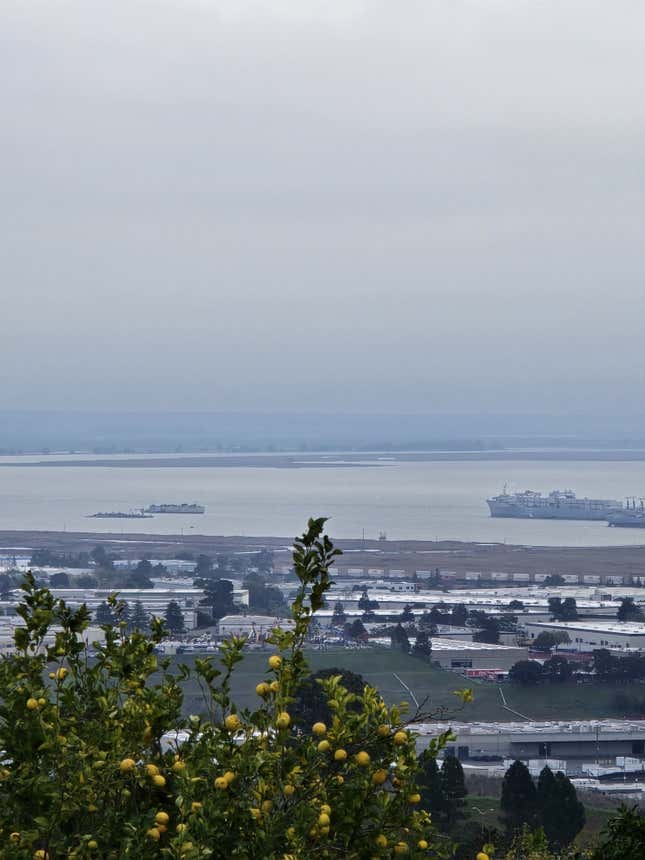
x: 98, y: 761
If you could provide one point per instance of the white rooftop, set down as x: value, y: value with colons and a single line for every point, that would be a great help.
x: 627, y: 628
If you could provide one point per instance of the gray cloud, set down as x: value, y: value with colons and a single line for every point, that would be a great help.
x: 431, y: 205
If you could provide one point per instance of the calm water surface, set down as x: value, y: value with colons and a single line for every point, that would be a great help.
x: 425, y: 500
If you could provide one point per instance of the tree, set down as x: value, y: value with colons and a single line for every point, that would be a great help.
x: 407, y: 615
x: 339, y: 617
x: 140, y: 576
x: 431, y: 788
x: 101, y: 558
x: 563, y: 610
x: 356, y: 630
x: 459, y: 615
x: 59, y: 580
x: 547, y: 640
x: 425, y: 623
x: 454, y: 787
x: 234, y: 783
x: 561, y: 814
x: 554, y: 579
x: 557, y: 669
x: 203, y: 566
x: 519, y: 798
x: 399, y: 639
x: 86, y: 580
x: 175, y: 618
x: 422, y: 646
x: 629, y: 611
x: 104, y: 615
x: 489, y: 631
x: 218, y: 594
x: 525, y: 672
x: 139, y: 619
x: 623, y: 836
x: 516, y: 604
x: 604, y: 664
x: 311, y: 705
x: 365, y: 603
x: 263, y: 597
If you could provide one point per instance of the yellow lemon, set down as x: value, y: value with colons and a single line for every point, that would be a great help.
x: 152, y: 769
x: 92, y: 844
x: 422, y: 844
x: 323, y: 819
x: 379, y: 776
x: 159, y: 780
x: 267, y: 805
x: 401, y: 848
x: 288, y: 789
x: 181, y: 828
x: 319, y: 728
x: 414, y: 798
x: 383, y: 731
x: 283, y: 720
x: 340, y: 755
x: 221, y: 782
x: 325, y: 809
x: 275, y: 661
x: 263, y: 689
x: 362, y: 758
x: 32, y: 704
x: 229, y: 776
x: 274, y: 686
x: 482, y: 856
x: 195, y: 806
x: 162, y: 818
x: 178, y: 767
x: 62, y: 673
x: 126, y: 765
x: 324, y: 746
x: 381, y: 840
x: 153, y: 833
x: 400, y: 738
x: 232, y: 722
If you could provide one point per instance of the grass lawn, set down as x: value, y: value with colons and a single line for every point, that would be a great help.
x: 379, y: 666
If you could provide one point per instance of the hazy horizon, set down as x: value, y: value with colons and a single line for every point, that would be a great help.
x: 349, y: 207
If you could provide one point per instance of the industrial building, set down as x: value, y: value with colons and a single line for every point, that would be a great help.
x: 594, y: 740
x: 461, y: 655
x: 590, y: 635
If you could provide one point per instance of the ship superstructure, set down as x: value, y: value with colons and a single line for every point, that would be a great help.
x: 175, y: 509
x: 557, y: 505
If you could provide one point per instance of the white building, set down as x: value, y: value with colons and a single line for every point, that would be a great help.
x: 589, y: 635
x: 461, y: 655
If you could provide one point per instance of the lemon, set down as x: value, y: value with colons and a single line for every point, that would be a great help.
x: 324, y: 746
x: 162, y: 818
x: 152, y: 769
x: 195, y: 806
x: 362, y: 758
x: 423, y: 845
x: 288, y: 790
x: 92, y: 844
x: 263, y: 689
x: 401, y: 848
x: 319, y: 728
x: 381, y: 840
x: 482, y: 856
x: 221, y: 782
x: 340, y: 755
x: 179, y: 767
x: 32, y: 704
x: 383, y: 731
x: 400, y: 738
x: 232, y: 722
x: 125, y: 766
x: 323, y: 819
x: 159, y: 780
x: 283, y: 720
x: 379, y: 776
x: 275, y: 661
x: 153, y: 833
x: 414, y: 798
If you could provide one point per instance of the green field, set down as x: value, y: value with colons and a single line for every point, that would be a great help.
x: 379, y: 666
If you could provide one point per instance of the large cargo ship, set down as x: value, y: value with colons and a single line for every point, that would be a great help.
x: 175, y: 509
x: 558, y: 505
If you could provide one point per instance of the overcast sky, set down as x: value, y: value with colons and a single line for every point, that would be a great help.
x: 323, y: 204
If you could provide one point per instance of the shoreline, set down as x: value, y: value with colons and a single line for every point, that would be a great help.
x: 404, y: 555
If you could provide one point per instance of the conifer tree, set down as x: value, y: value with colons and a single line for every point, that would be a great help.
x: 519, y: 797
x: 139, y: 620
x: 174, y: 618
x: 561, y: 814
x: 454, y: 787
x: 431, y: 788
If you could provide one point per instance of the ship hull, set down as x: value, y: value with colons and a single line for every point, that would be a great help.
x: 514, y: 510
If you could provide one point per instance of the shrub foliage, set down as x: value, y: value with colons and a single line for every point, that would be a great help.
x: 98, y: 762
